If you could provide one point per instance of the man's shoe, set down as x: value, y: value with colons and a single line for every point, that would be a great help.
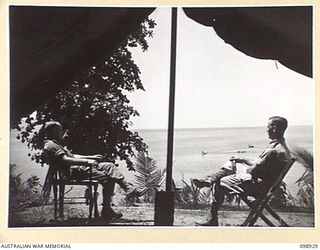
x: 212, y: 223
x: 201, y: 183
x: 109, y: 215
x: 134, y: 192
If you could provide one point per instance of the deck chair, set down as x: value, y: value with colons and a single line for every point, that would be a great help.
x: 59, y: 183
x: 259, y: 204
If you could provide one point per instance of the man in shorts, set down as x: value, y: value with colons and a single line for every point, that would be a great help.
x: 258, y: 174
x: 76, y: 166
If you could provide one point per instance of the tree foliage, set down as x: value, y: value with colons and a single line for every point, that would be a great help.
x: 95, y: 108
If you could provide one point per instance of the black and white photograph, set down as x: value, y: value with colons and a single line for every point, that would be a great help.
x: 162, y: 116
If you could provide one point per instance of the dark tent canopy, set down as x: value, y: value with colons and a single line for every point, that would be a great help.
x: 278, y: 33
x: 50, y: 46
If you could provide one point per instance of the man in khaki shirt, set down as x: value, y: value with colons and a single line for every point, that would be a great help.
x: 259, y: 174
x: 76, y: 166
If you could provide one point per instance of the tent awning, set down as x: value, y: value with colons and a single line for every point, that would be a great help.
x: 50, y: 46
x: 279, y: 33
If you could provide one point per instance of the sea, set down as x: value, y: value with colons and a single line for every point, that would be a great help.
x: 197, y: 152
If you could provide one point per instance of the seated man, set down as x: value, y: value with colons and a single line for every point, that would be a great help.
x: 259, y: 173
x: 77, y: 167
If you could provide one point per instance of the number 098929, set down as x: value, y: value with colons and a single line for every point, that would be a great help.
x: 309, y: 246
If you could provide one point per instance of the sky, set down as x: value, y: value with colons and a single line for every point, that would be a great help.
x: 216, y: 85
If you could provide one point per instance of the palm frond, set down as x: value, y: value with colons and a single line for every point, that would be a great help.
x: 162, y: 178
x: 148, y: 175
x: 304, y: 157
x: 305, y: 181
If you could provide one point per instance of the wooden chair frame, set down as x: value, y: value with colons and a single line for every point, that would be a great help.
x: 259, y: 204
x: 59, y: 184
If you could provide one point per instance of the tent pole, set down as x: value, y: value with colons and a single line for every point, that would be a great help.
x: 171, y: 99
x: 164, y: 203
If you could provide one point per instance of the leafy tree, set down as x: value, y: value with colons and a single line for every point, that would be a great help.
x: 95, y: 108
x: 148, y: 176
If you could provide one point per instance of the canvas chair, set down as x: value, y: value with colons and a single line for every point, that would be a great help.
x: 59, y: 183
x: 259, y: 204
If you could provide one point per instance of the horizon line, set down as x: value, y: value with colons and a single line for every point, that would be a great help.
x: 180, y: 128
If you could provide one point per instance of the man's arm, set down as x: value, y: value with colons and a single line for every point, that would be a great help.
x: 248, y: 162
x: 91, y: 157
x: 251, y: 168
x: 78, y: 161
x: 56, y: 151
x: 242, y: 160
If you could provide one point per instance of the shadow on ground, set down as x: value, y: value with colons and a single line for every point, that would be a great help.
x: 77, y: 216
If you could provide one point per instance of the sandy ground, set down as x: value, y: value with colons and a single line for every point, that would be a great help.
x: 143, y: 215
